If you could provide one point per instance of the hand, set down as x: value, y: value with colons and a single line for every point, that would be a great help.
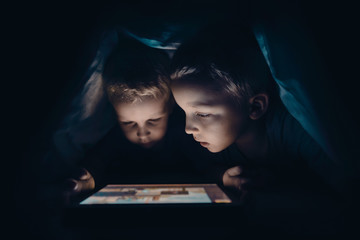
x: 243, y: 179
x: 81, y: 182
x: 232, y: 178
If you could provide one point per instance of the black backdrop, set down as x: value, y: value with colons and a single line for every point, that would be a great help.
x: 49, y: 46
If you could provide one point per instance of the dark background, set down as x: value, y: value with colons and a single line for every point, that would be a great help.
x: 50, y: 44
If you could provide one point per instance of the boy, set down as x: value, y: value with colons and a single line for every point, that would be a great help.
x: 232, y: 107
x: 137, y: 85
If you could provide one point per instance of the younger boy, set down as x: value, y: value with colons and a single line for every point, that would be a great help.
x: 225, y: 88
x: 137, y: 85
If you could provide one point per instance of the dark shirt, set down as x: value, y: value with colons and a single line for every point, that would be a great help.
x: 294, y: 156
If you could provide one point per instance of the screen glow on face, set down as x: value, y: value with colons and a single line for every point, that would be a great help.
x: 211, y: 117
x: 143, y: 123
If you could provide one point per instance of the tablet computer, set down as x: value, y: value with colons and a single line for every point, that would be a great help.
x: 153, y: 205
x: 158, y: 194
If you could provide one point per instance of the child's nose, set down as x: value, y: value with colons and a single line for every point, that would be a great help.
x: 142, y: 132
x: 190, y: 127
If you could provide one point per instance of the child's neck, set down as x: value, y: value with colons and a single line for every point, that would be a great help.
x: 254, y: 143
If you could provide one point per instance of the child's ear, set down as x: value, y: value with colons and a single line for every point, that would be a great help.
x: 258, y: 105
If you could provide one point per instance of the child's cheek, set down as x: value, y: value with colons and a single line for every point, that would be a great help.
x: 130, y: 133
x: 159, y: 131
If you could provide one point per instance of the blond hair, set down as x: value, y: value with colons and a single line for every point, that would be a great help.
x: 135, y: 72
x: 119, y: 91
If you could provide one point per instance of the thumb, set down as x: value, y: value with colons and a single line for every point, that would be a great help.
x: 81, y: 174
x: 234, y: 171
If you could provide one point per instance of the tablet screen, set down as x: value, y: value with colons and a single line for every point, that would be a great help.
x: 157, y: 194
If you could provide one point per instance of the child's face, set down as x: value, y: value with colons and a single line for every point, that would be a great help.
x: 212, y: 118
x: 143, y: 123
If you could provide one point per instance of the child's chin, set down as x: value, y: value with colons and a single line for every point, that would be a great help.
x: 213, y: 149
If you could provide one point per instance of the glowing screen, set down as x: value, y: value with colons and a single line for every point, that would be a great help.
x: 158, y: 193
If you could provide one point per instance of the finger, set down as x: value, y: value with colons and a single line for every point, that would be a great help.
x: 81, y: 174
x: 240, y: 183
x: 86, y: 175
x: 71, y: 185
x: 86, y: 185
x: 234, y: 171
x: 235, y: 182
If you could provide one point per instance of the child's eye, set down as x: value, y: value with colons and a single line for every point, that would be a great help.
x: 153, y: 121
x: 203, y: 115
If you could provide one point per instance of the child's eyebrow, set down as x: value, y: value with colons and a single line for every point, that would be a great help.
x: 201, y: 104
x: 125, y: 121
x: 155, y: 119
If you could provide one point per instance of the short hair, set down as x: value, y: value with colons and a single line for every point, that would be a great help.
x: 135, y: 72
x: 229, y: 61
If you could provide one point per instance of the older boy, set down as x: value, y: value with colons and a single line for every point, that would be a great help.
x: 231, y: 103
x: 232, y: 109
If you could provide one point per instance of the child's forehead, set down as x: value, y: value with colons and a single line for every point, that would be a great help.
x: 140, y: 112
x: 200, y: 93
x: 148, y: 105
x: 201, y: 96
x: 143, y: 103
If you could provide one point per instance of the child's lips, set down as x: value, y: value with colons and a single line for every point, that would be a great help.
x: 204, y: 144
x: 146, y: 143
